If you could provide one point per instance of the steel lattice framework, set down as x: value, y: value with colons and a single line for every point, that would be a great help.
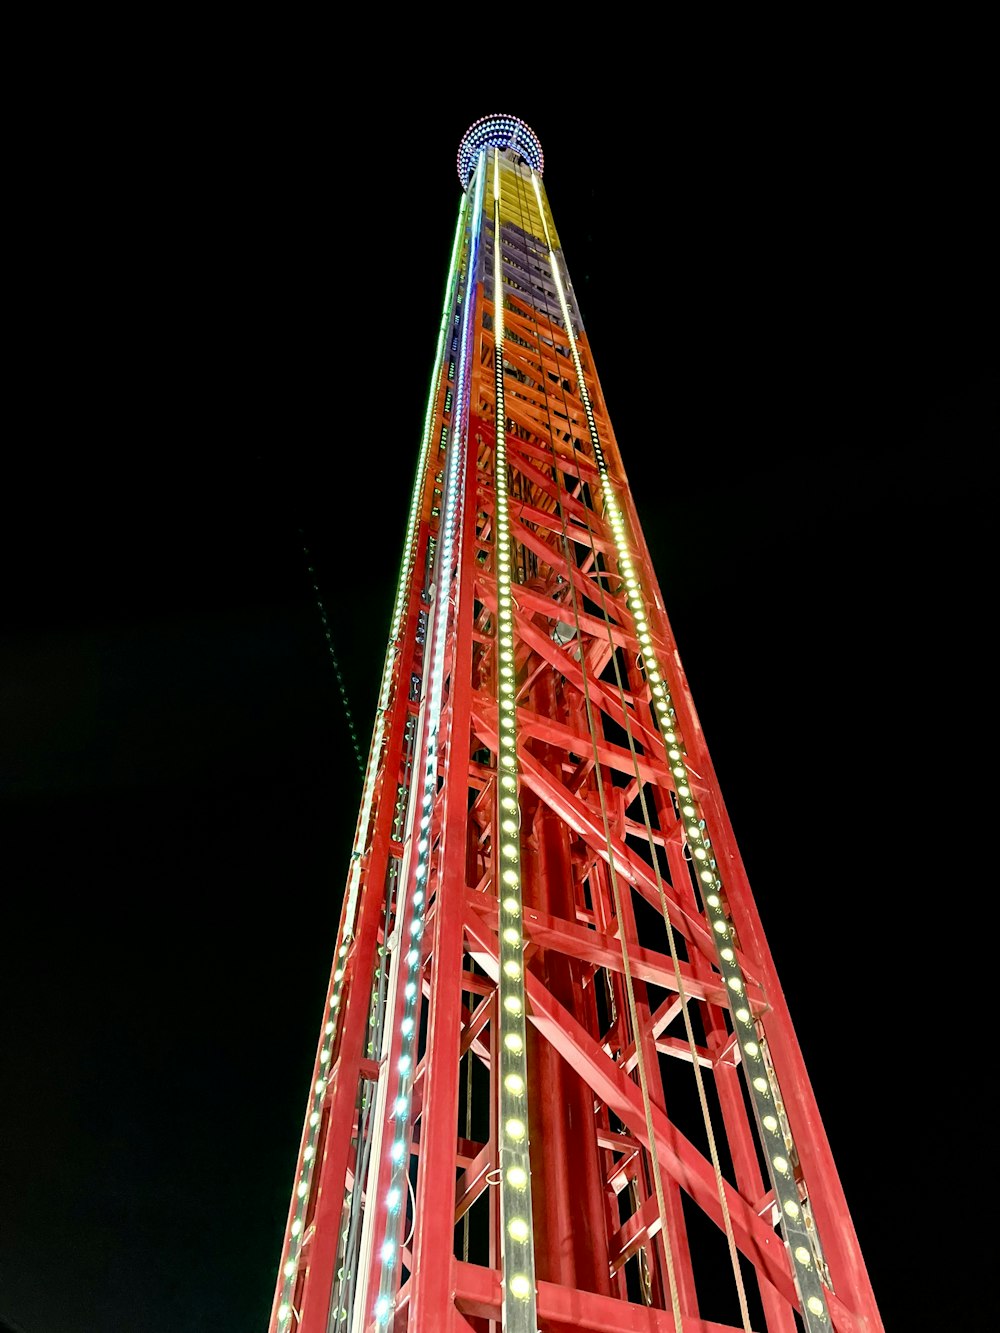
x: 557, y: 1085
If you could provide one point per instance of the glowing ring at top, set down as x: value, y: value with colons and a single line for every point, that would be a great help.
x: 498, y: 132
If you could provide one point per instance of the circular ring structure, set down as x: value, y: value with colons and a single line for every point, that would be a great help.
x: 498, y: 131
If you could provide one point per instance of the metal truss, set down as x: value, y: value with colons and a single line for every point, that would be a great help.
x: 575, y: 952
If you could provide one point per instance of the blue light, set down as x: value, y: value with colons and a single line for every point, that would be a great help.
x: 498, y: 131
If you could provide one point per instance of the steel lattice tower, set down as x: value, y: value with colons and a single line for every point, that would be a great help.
x: 557, y: 1084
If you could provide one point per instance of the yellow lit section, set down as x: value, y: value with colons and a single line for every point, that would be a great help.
x: 527, y: 212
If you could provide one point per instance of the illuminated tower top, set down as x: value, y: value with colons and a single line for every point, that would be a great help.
x: 498, y: 131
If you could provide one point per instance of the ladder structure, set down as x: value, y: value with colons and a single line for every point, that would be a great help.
x: 557, y: 1085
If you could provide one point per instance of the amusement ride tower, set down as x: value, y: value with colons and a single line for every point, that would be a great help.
x: 557, y: 1085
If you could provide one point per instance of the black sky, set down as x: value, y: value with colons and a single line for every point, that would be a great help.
x: 791, y: 308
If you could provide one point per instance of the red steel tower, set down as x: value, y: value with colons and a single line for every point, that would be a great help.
x: 557, y: 1085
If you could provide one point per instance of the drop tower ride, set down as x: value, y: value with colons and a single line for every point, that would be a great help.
x: 557, y: 1084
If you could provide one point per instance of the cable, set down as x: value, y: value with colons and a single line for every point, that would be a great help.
x: 328, y: 635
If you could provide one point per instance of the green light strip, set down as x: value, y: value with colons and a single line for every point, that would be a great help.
x: 413, y: 912
x: 799, y: 1234
x: 303, y: 1185
x: 519, y: 1300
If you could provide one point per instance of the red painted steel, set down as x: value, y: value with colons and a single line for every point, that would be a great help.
x: 434, y: 1216
x: 603, y: 845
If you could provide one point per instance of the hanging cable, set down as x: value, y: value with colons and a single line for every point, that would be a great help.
x: 328, y: 635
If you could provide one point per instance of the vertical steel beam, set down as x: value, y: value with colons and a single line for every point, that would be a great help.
x: 431, y: 1295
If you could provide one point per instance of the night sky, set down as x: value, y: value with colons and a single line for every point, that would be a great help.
x: 791, y: 307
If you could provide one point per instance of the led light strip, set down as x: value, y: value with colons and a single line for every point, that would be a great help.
x: 489, y: 131
x: 777, y: 1141
x: 293, y: 1239
x: 519, y: 1301
x: 410, y: 939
